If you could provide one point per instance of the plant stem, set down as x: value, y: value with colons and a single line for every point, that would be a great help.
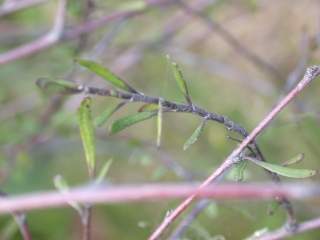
x: 86, y: 222
x: 116, y: 194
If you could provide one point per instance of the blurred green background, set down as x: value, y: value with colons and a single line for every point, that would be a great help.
x: 34, y: 147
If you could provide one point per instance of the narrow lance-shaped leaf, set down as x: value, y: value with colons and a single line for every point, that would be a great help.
x: 127, y: 121
x: 57, y: 86
x: 182, y: 84
x: 195, y: 135
x: 159, y: 124
x: 106, y: 114
x: 61, y: 184
x: 106, y: 74
x: 103, y: 172
x: 285, y: 171
x: 294, y: 160
x: 87, y: 133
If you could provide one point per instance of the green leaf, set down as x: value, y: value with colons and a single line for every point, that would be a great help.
x: 149, y: 107
x: 106, y: 114
x: 9, y: 229
x: 106, y: 74
x: 195, y: 135
x: 159, y: 124
x: 294, y: 160
x: 57, y: 86
x: 87, y: 133
x: 61, y: 184
x: 182, y: 84
x: 240, y: 169
x: 127, y: 121
x: 103, y: 172
x: 285, y: 171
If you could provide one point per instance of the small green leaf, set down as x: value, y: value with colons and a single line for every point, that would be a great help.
x: 182, y: 84
x: 106, y: 114
x: 159, y: 124
x: 103, y: 172
x: 195, y: 135
x: 87, y: 133
x: 294, y: 160
x: 57, y: 86
x: 106, y: 74
x: 285, y: 171
x: 240, y: 169
x: 61, y: 184
x: 127, y: 121
x: 149, y: 107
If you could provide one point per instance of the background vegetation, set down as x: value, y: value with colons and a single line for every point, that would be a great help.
x: 39, y: 135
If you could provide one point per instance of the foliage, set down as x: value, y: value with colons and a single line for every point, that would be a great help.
x: 39, y: 131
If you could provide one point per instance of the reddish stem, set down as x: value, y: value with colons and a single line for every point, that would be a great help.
x: 147, y: 192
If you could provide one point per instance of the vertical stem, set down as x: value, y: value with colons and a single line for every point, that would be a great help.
x: 86, y: 222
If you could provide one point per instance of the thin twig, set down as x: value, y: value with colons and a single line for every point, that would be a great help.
x: 43, y: 42
x: 87, y: 9
x: 311, y: 74
x: 169, y: 106
x: 86, y: 220
x: 284, y: 233
x: 186, y: 222
x: 57, y: 34
x: 21, y: 220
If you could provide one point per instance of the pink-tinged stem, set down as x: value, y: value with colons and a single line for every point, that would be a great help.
x: 284, y: 233
x: 146, y: 192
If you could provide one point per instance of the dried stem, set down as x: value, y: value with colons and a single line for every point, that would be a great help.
x: 21, y: 220
x: 86, y: 220
x: 187, y: 221
x: 311, y: 74
x: 284, y: 233
x: 87, y: 9
x: 168, y: 106
x: 58, y: 34
x: 43, y: 42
